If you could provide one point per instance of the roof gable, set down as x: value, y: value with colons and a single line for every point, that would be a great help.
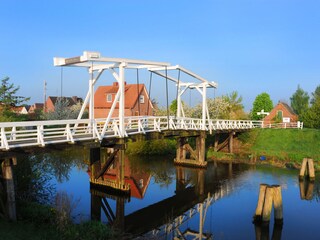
x: 132, y: 93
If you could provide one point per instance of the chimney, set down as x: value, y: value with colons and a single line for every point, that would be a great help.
x: 115, y: 84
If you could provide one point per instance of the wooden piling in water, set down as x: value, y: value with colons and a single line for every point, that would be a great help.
x: 268, y: 196
x: 303, y: 168
x: 277, y: 203
x: 307, y: 168
x: 311, y: 169
x: 262, y: 192
x: 267, y: 206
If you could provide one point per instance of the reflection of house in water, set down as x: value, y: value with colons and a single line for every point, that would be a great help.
x: 138, y: 181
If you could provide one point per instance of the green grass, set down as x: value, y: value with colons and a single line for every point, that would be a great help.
x: 285, y: 144
x: 40, y: 222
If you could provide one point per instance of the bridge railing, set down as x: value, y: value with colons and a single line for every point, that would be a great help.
x: 298, y: 125
x: 41, y: 133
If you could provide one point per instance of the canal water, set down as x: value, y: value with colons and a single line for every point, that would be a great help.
x: 168, y: 201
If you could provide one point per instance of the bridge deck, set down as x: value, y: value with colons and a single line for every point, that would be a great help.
x: 41, y: 133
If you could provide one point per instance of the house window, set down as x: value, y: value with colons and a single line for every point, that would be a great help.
x: 141, y: 99
x: 109, y: 97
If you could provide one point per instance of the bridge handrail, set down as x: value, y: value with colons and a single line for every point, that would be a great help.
x: 21, y: 134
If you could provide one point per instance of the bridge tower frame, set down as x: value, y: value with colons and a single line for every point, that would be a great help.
x: 96, y: 65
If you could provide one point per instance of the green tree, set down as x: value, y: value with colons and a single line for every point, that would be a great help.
x: 173, y: 107
x: 299, y: 101
x: 315, y: 95
x: 8, y: 97
x: 63, y: 110
x: 262, y: 102
x: 311, y: 117
x: 218, y: 109
x: 236, y: 110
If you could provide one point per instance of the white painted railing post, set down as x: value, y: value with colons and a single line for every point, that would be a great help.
x: 40, y: 135
x: 4, y: 142
x: 121, y: 84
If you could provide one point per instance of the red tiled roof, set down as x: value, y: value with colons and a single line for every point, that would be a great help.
x: 132, y: 91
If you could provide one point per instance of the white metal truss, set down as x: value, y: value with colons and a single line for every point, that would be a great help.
x: 201, y: 84
x: 96, y: 65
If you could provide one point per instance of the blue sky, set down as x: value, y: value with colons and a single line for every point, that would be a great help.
x: 249, y: 46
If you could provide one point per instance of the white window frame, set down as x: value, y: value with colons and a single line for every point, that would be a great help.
x: 141, y: 98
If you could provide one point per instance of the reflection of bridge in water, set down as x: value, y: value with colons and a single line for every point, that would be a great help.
x: 195, y: 192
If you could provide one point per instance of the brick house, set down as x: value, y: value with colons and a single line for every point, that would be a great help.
x: 282, y: 113
x: 51, y: 102
x: 20, y: 110
x: 35, y: 107
x: 136, y: 98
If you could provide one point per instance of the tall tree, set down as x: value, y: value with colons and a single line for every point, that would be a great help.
x: 262, y: 102
x: 311, y: 117
x: 315, y: 95
x: 299, y: 101
x: 236, y: 110
x: 8, y: 97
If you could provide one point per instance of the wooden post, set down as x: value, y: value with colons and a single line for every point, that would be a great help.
x: 231, y: 142
x: 94, y: 155
x: 216, y: 142
x: 7, y: 175
x: 267, y: 207
x: 181, y: 151
x: 120, y: 175
x: 303, y: 168
x: 269, y: 195
x: 277, y: 201
x: 262, y: 192
x: 201, y: 147
x: 311, y: 169
x: 307, y: 168
x: 95, y: 161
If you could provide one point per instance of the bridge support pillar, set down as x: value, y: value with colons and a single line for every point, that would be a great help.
x: 7, y: 175
x: 197, y: 156
x: 230, y: 145
x: 113, y: 157
x: 216, y: 142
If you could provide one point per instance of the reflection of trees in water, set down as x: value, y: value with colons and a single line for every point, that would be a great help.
x: 161, y: 168
x: 35, y: 171
x: 33, y: 180
x: 316, y: 190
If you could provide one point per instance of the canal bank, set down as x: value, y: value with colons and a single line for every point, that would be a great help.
x: 277, y: 147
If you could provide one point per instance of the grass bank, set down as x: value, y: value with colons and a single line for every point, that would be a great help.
x: 36, y: 221
x: 277, y: 145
